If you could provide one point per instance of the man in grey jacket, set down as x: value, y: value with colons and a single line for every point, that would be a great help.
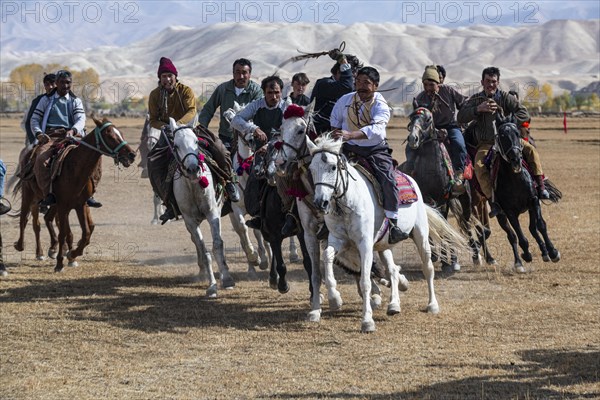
x: 240, y: 89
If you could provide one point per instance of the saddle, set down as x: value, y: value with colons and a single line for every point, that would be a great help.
x: 406, y: 191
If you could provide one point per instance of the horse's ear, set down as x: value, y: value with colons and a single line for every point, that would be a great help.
x: 96, y: 120
x: 308, y: 110
x: 415, y: 104
x: 311, y: 146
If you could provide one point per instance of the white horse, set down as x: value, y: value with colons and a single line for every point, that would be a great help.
x: 294, y: 150
x: 356, y: 222
x: 195, y: 195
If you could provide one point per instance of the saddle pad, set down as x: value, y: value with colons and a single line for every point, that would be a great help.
x: 60, y: 158
x: 447, y: 160
x: 406, y: 191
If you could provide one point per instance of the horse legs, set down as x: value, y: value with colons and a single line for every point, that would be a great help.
x: 307, y: 263
x: 397, y: 281
x: 512, y: 239
x: 537, y: 225
x: 48, y: 220
x: 420, y: 237
x: 294, y: 256
x: 278, y: 269
x: 63, y: 227
x: 202, y: 254
x: 158, y: 209
x: 87, y: 227
x: 219, y: 250
x: 26, y: 201
x: 264, y: 250
x: 237, y: 221
x: 365, y: 247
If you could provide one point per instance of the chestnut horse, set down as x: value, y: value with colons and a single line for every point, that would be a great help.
x: 73, y: 186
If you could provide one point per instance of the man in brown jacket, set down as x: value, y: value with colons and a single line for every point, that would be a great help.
x: 172, y: 99
x: 482, y: 108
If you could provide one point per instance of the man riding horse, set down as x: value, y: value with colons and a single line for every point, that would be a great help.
x: 172, y: 99
x: 58, y: 115
x: 482, y: 108
x: 261, y: 119
x: 359, y: 119
x: 443, y: 101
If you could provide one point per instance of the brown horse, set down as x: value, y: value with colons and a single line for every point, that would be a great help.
x: 74, y: 185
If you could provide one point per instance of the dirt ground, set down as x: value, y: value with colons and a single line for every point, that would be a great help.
x: 132, y: 321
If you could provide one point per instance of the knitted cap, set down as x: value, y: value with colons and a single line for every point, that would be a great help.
x: 166, y: 65
x: 431, y: 73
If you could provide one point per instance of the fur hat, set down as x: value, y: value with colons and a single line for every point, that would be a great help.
x: 431, y: 73
x: 166, y: 65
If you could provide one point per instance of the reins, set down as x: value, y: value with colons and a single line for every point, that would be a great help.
x: 112, y: 153
x: 342, y: 165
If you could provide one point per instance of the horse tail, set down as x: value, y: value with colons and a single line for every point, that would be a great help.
x: 555, y: 193
x: 441, y: 233
x: 466, y: 226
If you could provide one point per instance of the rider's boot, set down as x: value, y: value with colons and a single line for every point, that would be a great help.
x: 495, y: 209
x: 45, y: 204
x: 290, y: 228
x: 4, y: 208
x: 396, y: 234
x: 541, y: 187
x: 254, y: 223
x: 91, y: 202
x: 169, y: 214
x: 232, y: 192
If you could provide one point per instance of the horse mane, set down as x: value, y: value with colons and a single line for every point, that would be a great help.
x: 327, y: 143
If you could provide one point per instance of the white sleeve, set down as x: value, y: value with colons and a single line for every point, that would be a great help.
x: 242, y: 120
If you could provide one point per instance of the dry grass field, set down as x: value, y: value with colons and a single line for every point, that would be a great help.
x: 131, y: 322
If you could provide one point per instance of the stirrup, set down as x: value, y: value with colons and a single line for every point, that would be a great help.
x: 169, y: 214
x: 290, y: 228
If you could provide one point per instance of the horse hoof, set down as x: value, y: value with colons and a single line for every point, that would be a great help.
x: 58, y: 269
x: 19, y: 247
x: 284, y: 289
x: 491, y: 261
x: 433, y: 308
x: 385, y: 282
x: 154, y: 222
x: 556, y: 258
x: 375, y: 301
x: 252, y: 275
x: 520, y: 269
x: 40, y: 258
x: 314, y: 316
x: 52, y: 254
x: 545, y: 257
x: 335, y: 302
x: 393, y: 309
x: 228, y: 283
x: 367, y: 326
x: 211, y: 292
x: 273, y: 283
x: 527, y: 257
x: 402, y: 283
x: 264, y: 265
x: 73, y: 264
x: 477, y: 261
x: 3, y: 272
x: 447, y: 268
x: 456, y: 267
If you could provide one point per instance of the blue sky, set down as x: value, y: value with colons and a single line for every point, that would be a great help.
x: 78, y: 24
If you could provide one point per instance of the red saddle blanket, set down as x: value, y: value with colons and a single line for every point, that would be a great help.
x: 406, y: 191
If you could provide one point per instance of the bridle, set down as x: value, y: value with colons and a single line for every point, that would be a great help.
x: 341, y: 179
x: 301, y: 151
x: 111, y: 152
x: 516, y: 146
x: 181, y: 161
x: 423, y: 136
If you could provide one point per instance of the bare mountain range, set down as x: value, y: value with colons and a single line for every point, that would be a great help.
x: 563, y: 53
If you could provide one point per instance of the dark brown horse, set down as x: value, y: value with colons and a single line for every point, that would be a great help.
x: 73, y: 186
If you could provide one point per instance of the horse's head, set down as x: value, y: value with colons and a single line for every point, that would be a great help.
x: 326, y: 168
x: 420, y: 127
x: 185, y: 145
x: 109, y: 141
x: 508, y: 142
x: 296, y: 125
